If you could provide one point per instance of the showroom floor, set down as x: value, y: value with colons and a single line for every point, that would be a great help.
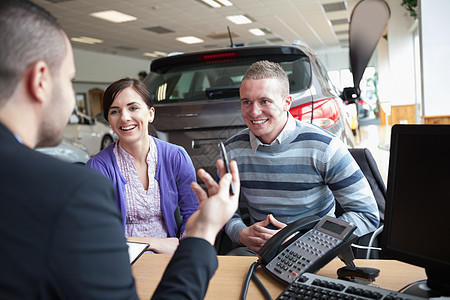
x: 376, y: 138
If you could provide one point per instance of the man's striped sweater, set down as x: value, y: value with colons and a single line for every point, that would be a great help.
x: 301, y: 176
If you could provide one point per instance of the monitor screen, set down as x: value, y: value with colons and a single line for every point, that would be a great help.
x: 417, y: 217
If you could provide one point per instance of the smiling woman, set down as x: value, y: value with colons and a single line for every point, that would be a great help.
x: 152, y: 178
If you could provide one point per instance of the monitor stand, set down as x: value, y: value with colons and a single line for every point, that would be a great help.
x: 437, y: 284
x: 421, y: 289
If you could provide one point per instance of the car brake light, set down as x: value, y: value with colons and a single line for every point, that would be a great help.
x: 223, y: 57
x: 326, y: 112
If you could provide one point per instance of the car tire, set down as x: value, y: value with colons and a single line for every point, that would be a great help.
x: 106, y: 141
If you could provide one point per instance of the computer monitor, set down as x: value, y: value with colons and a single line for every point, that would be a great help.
x: 417, y: 217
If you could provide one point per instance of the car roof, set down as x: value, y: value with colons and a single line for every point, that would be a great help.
x: 229, y: 53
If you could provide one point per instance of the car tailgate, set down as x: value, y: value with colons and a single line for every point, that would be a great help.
x: 199, y: 114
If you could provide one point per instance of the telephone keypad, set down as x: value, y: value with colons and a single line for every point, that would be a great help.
x: 299, y: 255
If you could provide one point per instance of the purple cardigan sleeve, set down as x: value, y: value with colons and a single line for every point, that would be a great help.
x: 175, y: 172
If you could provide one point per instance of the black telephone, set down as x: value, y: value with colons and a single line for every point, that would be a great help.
x: 317, y: 242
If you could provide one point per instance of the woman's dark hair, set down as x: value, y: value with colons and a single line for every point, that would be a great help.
x: 118, y: 86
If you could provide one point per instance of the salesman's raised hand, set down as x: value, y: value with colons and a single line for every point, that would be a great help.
x: 214, y: 211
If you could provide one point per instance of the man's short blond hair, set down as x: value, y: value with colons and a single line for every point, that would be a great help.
x: 265, y: 69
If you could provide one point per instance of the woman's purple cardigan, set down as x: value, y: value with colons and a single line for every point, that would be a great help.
x: 174, y: 173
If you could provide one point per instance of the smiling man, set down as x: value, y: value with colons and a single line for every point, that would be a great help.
x: 264, y: 106
x: 290, y: 169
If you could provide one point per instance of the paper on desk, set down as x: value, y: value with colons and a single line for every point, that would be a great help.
x: 135, y: 250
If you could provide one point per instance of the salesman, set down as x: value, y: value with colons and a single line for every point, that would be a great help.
x: 60, y: 233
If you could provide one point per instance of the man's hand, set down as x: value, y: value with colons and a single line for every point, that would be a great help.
x: 217, y: 209
x: 255, y: 236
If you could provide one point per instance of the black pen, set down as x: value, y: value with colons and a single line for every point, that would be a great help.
x: 227, y: 164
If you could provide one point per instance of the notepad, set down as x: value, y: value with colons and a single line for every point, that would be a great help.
x: 135, y: 250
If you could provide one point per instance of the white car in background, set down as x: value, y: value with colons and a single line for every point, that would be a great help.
x: 68, y: 150
x: 94, y: 133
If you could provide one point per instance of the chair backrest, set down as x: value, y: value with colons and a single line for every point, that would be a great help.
x: 369, y: 167
x: 370, y: 170
x: 178, y: 220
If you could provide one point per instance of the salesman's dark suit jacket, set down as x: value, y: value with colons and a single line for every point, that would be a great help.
x: 61, y: 235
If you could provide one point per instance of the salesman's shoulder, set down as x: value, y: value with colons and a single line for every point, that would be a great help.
x: 68, y: 173
x: 31, y: 168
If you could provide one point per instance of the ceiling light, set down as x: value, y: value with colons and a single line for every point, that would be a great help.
x: 217, y: 3
x: 113, y: 16
x: 155, y: 53
x: 189, y: 40
x: 225, y: 2
x: 239, y: 19
x: 160, y: 53
x: 86, y: 40
x: 257, y: 32
x: 150, y: 54
x: 212, y: 3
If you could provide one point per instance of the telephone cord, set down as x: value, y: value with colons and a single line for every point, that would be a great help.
x: 251, y: 274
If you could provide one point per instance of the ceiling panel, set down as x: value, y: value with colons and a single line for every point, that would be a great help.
x: 285, y: 20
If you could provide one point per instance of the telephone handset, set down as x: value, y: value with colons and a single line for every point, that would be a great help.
x: 274, y: 245
x: 305, y: 252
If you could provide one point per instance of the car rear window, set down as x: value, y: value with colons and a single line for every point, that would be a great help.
x: 218, y: 79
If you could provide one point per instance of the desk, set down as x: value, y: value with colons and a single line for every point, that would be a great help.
x: 229, y: 277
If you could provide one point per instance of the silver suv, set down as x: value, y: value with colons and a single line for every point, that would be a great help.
x: 196, y: 96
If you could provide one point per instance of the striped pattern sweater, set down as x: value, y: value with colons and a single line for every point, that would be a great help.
x: 301, y: 176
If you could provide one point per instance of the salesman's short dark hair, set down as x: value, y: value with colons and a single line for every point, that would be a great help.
x: 28, y: 33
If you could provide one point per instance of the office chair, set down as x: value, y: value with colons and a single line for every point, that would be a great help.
x: 178, y: 220
x: 370, y: 170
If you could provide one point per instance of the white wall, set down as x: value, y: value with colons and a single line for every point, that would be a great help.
x: 98, y: 70
x: 84, y: 87
x: 335, y: 59
x: 401, y: 89
x: 105, y: 68
x: 434, y: 26
x: 384, y: 76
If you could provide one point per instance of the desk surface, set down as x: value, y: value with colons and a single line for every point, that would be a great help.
x: 229, y: 277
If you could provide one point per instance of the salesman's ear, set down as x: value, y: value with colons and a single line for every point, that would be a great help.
x: 39, y: 81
